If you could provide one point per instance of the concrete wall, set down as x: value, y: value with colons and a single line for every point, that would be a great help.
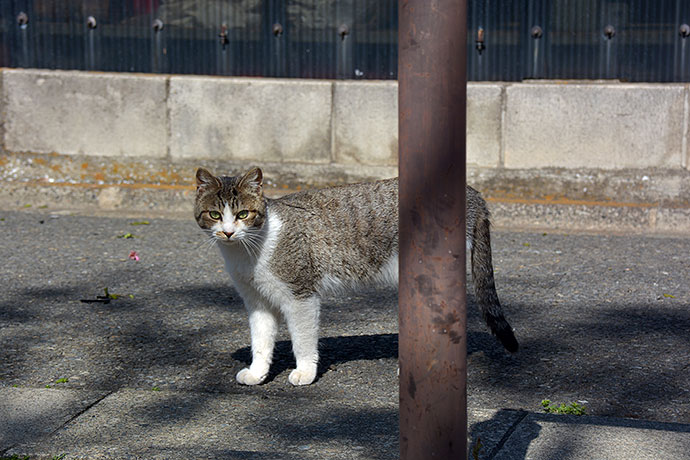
x: 75, y: 113
x: 608, y: 126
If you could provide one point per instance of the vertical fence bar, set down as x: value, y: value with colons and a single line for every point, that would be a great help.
x: 537, y: 31
x: 477, y: 26
x: 432, y: 77
x: 224, y: 49
x: 273, y: 37
x: 681, y: 31
x: 23, y: 33
x: 157, y: 35
x: 23, y: 25
x: 345, y: 40
x: 610, y: 28
x: 91, y: 39
x: 393, y: 50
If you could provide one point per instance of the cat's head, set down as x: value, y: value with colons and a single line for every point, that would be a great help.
x: 231, y: 209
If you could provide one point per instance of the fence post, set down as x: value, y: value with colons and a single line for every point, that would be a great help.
x: 432, y: 98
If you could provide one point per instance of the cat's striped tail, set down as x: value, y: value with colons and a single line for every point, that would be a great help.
x: 485, y: 287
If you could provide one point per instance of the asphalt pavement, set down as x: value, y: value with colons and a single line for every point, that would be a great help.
x: 603, y: 320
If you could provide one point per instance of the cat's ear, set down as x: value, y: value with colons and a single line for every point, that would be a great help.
x: 205, y: 180
x: 253, y: 179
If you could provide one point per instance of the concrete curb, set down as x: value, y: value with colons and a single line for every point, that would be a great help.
x: 176, y: 201
x: 654, y: 201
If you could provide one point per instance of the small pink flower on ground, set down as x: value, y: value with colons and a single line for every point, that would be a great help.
x: 134, y: 256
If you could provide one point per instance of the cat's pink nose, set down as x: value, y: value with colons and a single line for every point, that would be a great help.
x: 228, y: 234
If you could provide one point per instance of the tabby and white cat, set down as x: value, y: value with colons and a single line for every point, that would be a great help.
x: 284, y: 254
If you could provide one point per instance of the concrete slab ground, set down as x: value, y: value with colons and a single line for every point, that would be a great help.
x: 27, y: 414
x: 547, y: 436
x: 602, y: 320
x: 166, y: 424
x: 181, y: 425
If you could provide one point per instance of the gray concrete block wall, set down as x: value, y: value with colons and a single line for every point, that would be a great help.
x: 348, y: 124
x: 484, y: 124
x: 257, y: 120
x: 608, y: 126
x: 365, y: 122
x: 85, y: 113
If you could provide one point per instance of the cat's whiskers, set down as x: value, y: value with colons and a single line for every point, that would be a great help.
x: 207, y: 243
x: 246, y: 247
x: 250, y: 246
x: 251, y: 242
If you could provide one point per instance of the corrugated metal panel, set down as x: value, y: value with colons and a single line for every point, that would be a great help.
x: 631, y: 40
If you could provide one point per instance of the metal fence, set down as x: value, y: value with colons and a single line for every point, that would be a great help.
x: 510, y: 40
x: 630, y: 40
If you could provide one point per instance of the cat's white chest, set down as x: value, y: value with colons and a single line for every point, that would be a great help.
x: 238, y: 263
x: 252, y: 274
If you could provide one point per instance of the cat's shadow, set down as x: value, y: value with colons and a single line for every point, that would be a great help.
x: 332, y: 351
x: 338, y: 350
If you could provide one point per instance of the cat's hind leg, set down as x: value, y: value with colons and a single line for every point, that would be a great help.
x: 263, y: 324
x: 302, y: 317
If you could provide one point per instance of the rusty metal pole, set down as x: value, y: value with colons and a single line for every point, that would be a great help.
x: 432, y: 98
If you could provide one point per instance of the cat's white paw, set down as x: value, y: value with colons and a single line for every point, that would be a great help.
x: 247, y: 377
x: 302, y: 376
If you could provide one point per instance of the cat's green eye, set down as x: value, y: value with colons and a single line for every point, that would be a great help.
x: 243, y: 214
x: 215, y: 215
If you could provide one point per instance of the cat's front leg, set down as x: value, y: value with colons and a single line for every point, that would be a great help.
x: 302, y: 317
x: 263, y: 325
